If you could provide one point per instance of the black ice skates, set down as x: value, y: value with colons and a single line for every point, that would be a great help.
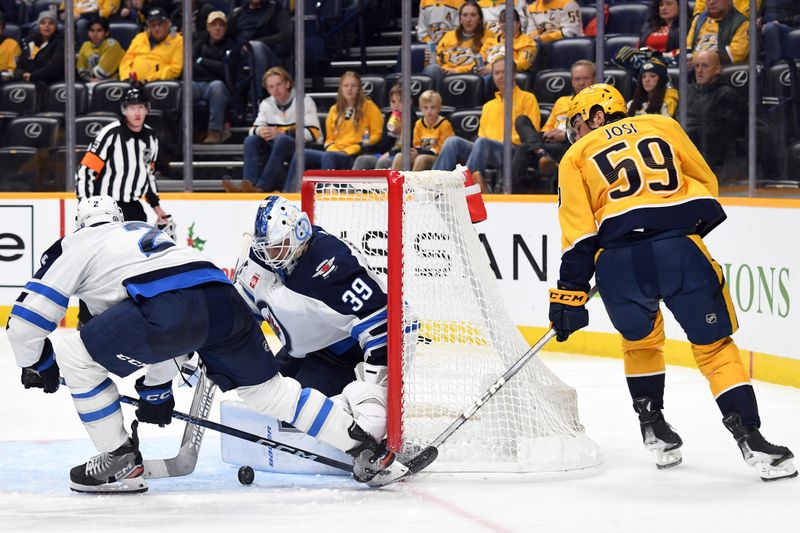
x: 770, y: 461
x: 658, y: 436
x: 120, y: 471
x: 374, y: 464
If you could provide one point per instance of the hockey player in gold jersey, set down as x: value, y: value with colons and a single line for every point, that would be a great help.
x: 635, y: 200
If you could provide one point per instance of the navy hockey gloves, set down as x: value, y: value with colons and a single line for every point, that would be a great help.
x: 155, y: 403
x: 45, y: 373
x: 568, y: 312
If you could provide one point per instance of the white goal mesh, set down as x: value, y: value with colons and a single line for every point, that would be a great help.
x: 462, y: 337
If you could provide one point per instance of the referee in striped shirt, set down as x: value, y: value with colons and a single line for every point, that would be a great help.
x: 121, y: 161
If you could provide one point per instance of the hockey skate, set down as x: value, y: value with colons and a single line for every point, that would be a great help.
x: 770, y: 461
x: 659, y: 437
x: 120, y: 471
x: 374, y: 464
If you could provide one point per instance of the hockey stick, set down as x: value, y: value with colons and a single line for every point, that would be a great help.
x: 244, y: 435
x: 184, y: 463
x: 429, y: 453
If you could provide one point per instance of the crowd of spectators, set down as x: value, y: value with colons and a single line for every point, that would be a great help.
x: 463, y: 37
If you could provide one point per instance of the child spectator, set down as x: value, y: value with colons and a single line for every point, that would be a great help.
x: 354, y: 122
x: 9, y: 53
x: 652, y: 96
x: 210, y: 49
x: 553, y: 20
x: 459, y: 51
x: 273, y: 135
x: 389, y: 145
x: 99, y: 57
x: 42, y: 58
x: 437, y: 17
x: 154, y: 54
x: 430, y: 133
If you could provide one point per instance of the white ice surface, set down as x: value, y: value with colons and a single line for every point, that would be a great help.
x: 713, y: 490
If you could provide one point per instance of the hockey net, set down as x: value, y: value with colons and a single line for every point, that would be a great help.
x: 450, y: 335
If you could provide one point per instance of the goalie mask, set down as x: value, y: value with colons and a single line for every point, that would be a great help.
x: 281, y: 232
x: 97, y: 210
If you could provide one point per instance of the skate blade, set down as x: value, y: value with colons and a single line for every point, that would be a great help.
x: 134, y: 485
x: 668, y: 459
x: 773, y: 472
x: 391, y: 474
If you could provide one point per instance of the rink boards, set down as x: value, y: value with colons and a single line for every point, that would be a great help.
x: 757, y: 247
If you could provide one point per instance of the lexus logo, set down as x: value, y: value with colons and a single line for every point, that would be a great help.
x: 555, y: 85
x: 610, y: 79
x: 739, y: 78
x: 416, y: 87
x: 368, y: 87
x: 159, y: 92
x: 33, y: 130
x: 17, y: 96
x: 92, y: 129
x: 786, y: 78
x: 61, y: 95
x: 457, y: 87
x: 114, y: 93
x: 470, y: 123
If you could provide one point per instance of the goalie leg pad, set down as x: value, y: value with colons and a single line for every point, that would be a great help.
x: 306, y: 409
x: 95, y: 396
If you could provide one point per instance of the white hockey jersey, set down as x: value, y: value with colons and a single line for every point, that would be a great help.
x: 494, y: 9
x: 101, y: 265
x: 270, y: 113
x: 330, y: 301
x: 437, y: 17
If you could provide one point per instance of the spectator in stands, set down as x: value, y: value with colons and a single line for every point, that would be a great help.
x: 354, y: 122
x: 200, y: 12
x: 494, y: 13
x: 154, y: 54
x: 780, y: 18
x: 652, y: 96
x: 459, y: 51
x: 210, y: 49
x: 742, y: 6
x: 713, y: 110
x: 42, y: 58
x: 553, y: 20
x: 722, y: 29
x: 91, y: 9
x: 524, y: 49
x: 9, y: 53
x: 273, y: 135
x: 554, y: 131
x: 430, y: 133
x: 660, y: 31
x: 265, y: 21
x: 99, y: 57
x: 138, y: 9
x: 487, y: 150
x: 389, y: 144
x: 437, y: 17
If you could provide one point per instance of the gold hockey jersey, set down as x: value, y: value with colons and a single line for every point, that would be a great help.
x: 625, y: 180
x: 555, y: 20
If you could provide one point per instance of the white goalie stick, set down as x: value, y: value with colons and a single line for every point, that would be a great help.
x: 183, y: 464
x: 429, y: 453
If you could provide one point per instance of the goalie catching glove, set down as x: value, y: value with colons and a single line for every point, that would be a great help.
x: 365, y: 399
x: 155, y: 403
x: 568, y: 312
x: 44, y: 374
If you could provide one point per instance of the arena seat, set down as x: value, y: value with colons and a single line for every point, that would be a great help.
x: 550, y: 85
x: 20, y: 168
x: 792, y: 45
x: 323, y: 116
x: 778, y: 81
x: 419, y: 84
x: 55, y: 98
x: 462, y: 91
x: 375, y: 88
x: 621, y: 79
x: 18, y: 97
x: 164, y: 95
x: 87, y: 127
x: 107, y: 96
x: 587, y: 14
x: 545, y: 114
x: 123, y: 32
x: 33, y: 132
x: 626, y: 18
x: 12, y: 31
x: 466, y: 122
x: 615, y: 42
x: 738, y: 77
x: 565, y: 52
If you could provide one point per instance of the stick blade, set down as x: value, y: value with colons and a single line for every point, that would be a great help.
x: 422, y: 460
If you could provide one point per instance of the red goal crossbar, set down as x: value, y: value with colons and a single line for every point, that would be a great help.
x: 394, y: 282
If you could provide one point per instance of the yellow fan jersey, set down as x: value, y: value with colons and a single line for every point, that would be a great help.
x: 627, y: 180
x: 431, y: 138
x: 524, y: 50
x: 460, y: 57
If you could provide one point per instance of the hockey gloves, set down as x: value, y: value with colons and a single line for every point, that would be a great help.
x: 155, y: 403
x: 568, y: 312
x: 366, y: 399
x: 45, y: 373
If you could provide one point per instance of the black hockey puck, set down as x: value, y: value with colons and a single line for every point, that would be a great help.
x: 246, y: 475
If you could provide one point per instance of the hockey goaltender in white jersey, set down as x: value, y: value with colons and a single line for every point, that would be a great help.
x: 324, y: 304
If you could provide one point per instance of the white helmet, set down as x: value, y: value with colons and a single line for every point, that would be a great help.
x: 97, y: 209
x: 281, y: 231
